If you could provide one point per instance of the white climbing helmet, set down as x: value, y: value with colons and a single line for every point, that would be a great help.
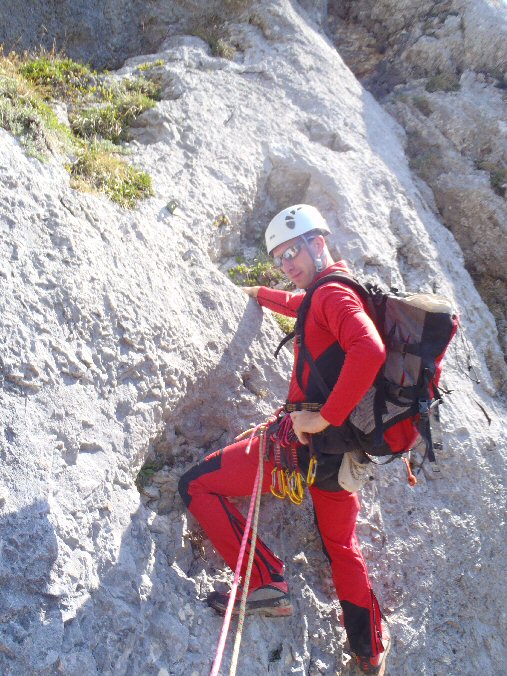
x: 293, y: 222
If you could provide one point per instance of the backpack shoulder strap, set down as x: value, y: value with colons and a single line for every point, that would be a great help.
x: 340, y: 277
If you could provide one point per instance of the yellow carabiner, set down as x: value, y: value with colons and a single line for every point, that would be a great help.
x: 299, y: 486
x: 278, y: 486
x: 295, y: 488
x: 312, y: 471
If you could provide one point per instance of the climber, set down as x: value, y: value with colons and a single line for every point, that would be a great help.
x: 345, y: 345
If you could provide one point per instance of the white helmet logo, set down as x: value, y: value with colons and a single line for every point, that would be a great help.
x: 294, y: 222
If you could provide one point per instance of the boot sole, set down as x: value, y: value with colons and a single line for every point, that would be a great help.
x: 383, y: 666
x: 275, y: 611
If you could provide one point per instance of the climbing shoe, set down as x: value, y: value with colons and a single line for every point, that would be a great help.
x: 376, y: 665
x: 272, y: 600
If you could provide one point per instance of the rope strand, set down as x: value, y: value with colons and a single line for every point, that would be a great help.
x: 254, y: 502
x: 246, y: 585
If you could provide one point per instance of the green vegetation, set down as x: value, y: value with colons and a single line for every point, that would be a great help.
x: 99, y: 111
x: 262, y: 272
x: 112, y: 120
x: 497, y: 175
x: 285, y: 323
x: 150, y: 64
x: 445, y: 82
x: 118, y: 106
x: 259, y: 272
x: 25, y: 113
x: 213, y: 30
x: 57, y: 77
x: 423, y: 105
x: 147, y: 471
x: 99, y: 169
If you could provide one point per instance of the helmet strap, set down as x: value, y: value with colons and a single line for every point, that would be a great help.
x: 317, y: 260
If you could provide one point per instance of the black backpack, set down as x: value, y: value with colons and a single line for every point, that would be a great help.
x: 416, y: 330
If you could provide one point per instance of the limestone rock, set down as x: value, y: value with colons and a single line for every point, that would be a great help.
x: 124, y: 342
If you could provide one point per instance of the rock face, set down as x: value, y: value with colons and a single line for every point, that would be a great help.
x: 125, y: 341
x: 441, y: 70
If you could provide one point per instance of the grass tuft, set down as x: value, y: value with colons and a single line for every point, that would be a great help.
x: 262, y: 272
x: 215, y: 32
x: 285, y: 323
x: 497, y: 176
x: 100, y: 111
x: 57, y: 77
x: 24, y: 112
x: 112, y: 120
x: 444, y: 82
x: 259, y: 272
x: 99, y: 169
x: 148, y: 65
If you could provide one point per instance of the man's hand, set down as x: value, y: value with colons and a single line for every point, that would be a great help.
x: 307, y: 422
x: 251, y: 291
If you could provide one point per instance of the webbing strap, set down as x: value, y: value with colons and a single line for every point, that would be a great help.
x: 302, y: 406
x: 321, y: 383
x: 404, y: 348
x: 341, y: 278
x: 424, y: 428
x: 285, y: 340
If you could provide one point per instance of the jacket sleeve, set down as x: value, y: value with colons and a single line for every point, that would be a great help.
x: 283, y: 302
x: 342, y: 313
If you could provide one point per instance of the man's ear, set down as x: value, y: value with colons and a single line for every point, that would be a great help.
x: 319, y: 243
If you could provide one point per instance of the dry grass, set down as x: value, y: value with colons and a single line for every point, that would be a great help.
x: 99, y: 109
x: 99, y: 169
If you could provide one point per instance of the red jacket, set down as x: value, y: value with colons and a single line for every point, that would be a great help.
x: 336, y: 315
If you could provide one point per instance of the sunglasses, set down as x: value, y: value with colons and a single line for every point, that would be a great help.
x: 288, y: 255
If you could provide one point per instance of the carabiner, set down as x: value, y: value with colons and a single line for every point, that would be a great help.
x: 295, y: 487
x: 278, y: 484
x: 312, y: 471
x: 300, y: 491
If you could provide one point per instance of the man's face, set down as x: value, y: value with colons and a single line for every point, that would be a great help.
x: 300, y: 270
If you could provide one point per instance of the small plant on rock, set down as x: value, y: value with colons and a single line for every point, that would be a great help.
x: 117, y: 109
x: 259, y: 272
x: 150, y: 64
x: 56, y: 76
x: 262, y: 272
x: 285, y: 323
x: 423, y: 105
x: 25, y: 113
x: 445, y: 82
x: 497, y: 176
x: 99, y: 169
x: 214, y: 31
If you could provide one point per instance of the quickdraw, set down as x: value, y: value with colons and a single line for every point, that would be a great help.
x: 278, y: 483
x: 286, y: 479
x: 295, y: 487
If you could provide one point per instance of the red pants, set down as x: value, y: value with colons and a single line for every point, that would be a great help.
x: 230, y: 472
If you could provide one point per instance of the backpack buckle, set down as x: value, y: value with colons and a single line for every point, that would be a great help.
x: 424, y: 407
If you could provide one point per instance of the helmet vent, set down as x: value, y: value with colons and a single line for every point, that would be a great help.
x: 290, y: 221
